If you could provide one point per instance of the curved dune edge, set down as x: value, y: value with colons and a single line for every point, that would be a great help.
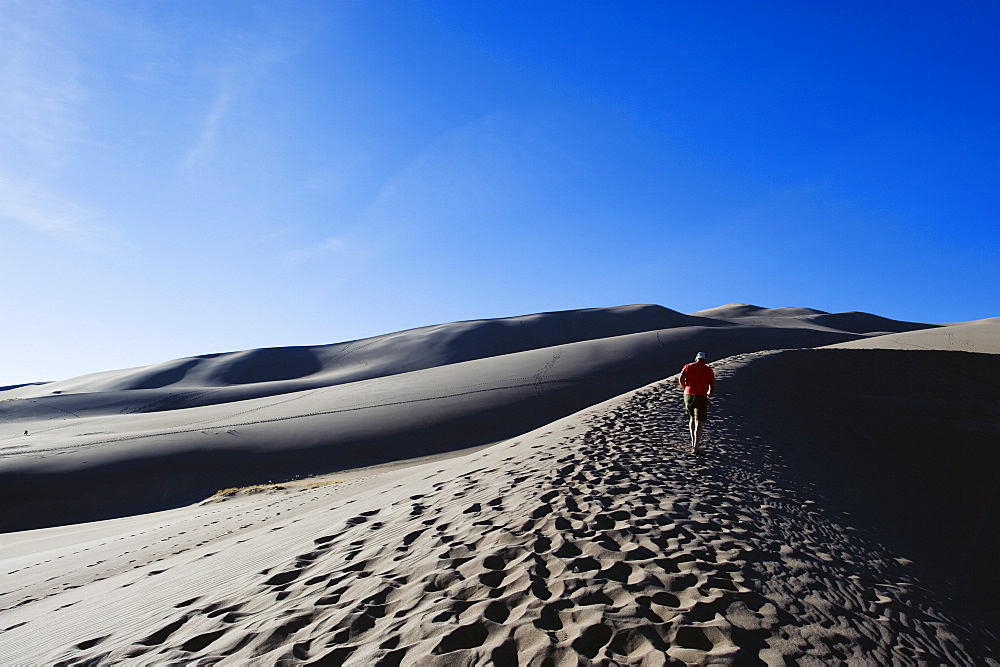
x: 595, y: 539
x: 982, y: 336
x: 267, y: 371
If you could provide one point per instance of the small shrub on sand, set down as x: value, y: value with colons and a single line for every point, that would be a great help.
x: 234, y: 491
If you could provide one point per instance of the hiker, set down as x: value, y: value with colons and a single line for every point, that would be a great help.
x: 698, y: 381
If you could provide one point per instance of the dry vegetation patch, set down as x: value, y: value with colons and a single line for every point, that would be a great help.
x: 270, y: 487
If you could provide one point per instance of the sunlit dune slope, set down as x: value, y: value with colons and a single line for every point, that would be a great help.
x: 979, y: 336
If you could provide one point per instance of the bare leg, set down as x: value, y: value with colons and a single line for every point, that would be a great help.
x: 696, y: 430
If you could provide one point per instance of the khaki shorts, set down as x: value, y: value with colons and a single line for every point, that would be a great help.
x: 697, y: 406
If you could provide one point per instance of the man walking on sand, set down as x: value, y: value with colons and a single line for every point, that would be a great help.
x: 698, y: 381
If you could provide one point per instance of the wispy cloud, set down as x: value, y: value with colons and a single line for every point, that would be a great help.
x: 333, y: 247
x: 43, y: 211
x: 210, y: 128
x: 467, y: 173
x: 234, y: 63
x: 48, y: 213
x: 42, y: 90
x: 450, y: 183
x: 41, y: 126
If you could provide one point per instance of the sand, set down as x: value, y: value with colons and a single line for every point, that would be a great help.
x: 980, y: 336
x: 147, y: 439
x: 594, y: 538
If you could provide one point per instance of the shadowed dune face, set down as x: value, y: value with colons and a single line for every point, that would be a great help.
x: 906, y: 441
x: 158, y: 376
x: 270, y: 365
x: 866, y: 323
x: 26, y: 384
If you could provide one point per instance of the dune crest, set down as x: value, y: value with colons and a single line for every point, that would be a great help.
x: 982, y: 336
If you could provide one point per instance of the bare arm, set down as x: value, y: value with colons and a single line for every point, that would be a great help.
x: 711, y: 387
x: 683, y: 380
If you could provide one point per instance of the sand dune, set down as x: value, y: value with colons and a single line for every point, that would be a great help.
x: 114, y: 444
x: 845, y: 512
x: 981, y: 336
x: 853, y: 322
x: 593, y: 540
x: 400, y: 352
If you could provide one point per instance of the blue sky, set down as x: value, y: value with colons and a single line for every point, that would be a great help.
x: 186, y: 177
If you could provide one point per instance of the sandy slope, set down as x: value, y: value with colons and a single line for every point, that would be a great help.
x: 980, y: 336
x: 147, y: 439
x: 594, y: 539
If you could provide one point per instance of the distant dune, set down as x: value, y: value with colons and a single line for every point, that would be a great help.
x: 391, y: 354
x: 854, y: 322
x: 144, y: 439
x: 846, y: 511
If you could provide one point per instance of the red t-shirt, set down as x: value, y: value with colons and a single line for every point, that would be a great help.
x: 699, y: 376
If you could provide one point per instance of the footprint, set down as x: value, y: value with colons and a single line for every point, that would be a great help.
x: 497, y: 612
x: 90, y: 643
x: 592, y: 640
x: 692, y: 637
x: 201, y: 641
x: 283, y: 578
x: 464, y: 637
x: 493, y: 579
x: 619, y: 572
x: 334, y: 658
x: 163, y: 633
x: 411, y: 537
x: 280, y: 634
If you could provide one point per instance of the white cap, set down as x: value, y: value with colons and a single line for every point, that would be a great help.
x: 700, y: 355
